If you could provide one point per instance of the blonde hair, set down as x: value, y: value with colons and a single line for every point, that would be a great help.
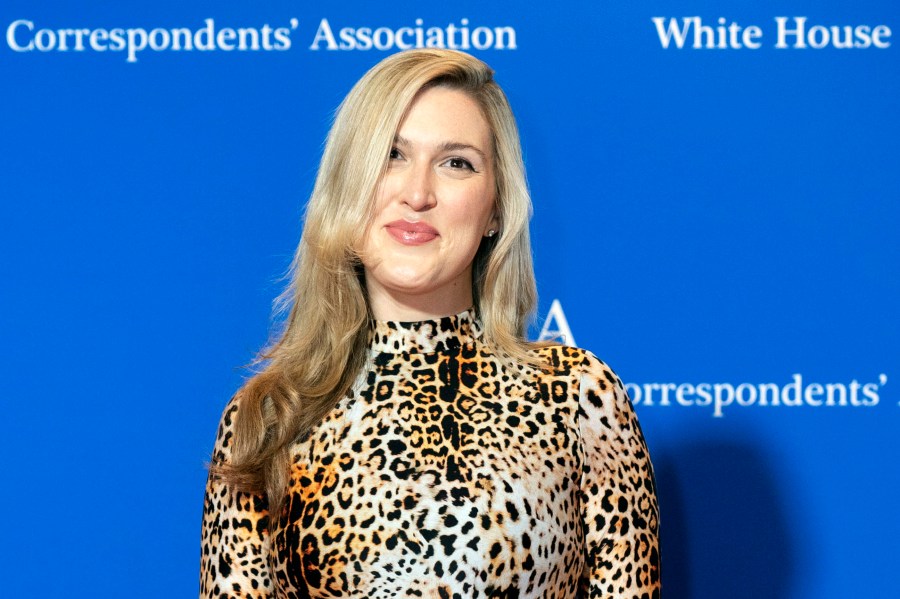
x: 322, y: 347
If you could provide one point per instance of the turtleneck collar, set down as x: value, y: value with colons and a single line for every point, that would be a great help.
x: 425, y: 336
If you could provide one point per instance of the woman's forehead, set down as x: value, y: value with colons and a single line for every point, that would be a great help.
x: 445, y: 117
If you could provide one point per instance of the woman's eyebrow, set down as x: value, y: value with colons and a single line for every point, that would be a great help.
x: 454, y: 146
x: 446, y: 146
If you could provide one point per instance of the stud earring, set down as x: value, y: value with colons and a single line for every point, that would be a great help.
x: 491, y: 232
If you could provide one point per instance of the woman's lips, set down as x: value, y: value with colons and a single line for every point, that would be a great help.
x: 409, y: 233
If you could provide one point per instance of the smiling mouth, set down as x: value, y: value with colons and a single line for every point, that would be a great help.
x: 409, y: 233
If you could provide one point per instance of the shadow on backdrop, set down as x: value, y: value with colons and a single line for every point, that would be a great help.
x: 723, y: 527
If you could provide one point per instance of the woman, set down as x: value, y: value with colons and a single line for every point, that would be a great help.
x: 403, y: 439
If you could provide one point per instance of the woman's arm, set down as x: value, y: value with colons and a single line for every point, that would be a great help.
x: 235, y: 543
x: 618, y: 492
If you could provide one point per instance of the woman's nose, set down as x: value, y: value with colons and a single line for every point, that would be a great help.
x: 418, y: 187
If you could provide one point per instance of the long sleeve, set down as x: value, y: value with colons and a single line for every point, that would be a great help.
x: 235, y: 537
x: 618, y: 492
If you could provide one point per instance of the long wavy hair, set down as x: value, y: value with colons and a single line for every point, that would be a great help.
x: 322, y: 346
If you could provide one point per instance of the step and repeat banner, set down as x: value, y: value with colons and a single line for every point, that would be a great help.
x: 715, y: 189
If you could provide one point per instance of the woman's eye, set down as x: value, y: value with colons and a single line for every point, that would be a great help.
x: 395, y: 154
x: 460, y: 163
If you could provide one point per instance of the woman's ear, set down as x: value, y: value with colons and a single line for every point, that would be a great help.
x: 493, y: 225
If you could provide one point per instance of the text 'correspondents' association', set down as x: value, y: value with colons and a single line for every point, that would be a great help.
x: 25, y: 35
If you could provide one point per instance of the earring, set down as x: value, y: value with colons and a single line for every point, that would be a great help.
x: 491, y: 232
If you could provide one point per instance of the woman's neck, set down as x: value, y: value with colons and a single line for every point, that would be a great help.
x: 399, y: 307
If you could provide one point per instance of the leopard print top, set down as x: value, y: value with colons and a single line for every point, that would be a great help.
x: 446, y: 473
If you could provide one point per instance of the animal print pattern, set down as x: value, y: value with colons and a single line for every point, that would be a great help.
x: 445, y: 472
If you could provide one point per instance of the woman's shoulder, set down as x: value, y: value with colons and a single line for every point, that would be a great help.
x: 225, y: 431
x: 573, y: 372
x: 565, y: 360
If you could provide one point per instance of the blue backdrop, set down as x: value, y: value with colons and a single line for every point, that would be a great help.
x: 718, y: 223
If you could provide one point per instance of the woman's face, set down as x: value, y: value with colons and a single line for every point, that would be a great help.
x: 433, y: 206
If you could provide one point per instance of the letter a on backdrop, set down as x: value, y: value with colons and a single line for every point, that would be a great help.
x: 562, y: 331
